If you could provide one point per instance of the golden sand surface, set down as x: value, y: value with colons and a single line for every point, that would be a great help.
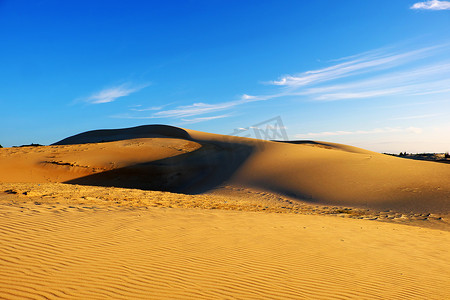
x: 224, y: 198
x: 158, y: 212
x: 89, y: 250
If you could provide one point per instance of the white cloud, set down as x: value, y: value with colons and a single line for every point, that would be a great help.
x: 148, y: 108
x: 423, y: 80
x: 111, y: 94
x: 418, y: 117
x: 359, y: 94
x: 204, y: 108
x: 414, y: 104
x: 358, y: 132
x: 432, y: 5
x: 362, y: 64
x: 195, y: 109
x: 130, y: 116
x: 203, y: 119
x: 247, y: 97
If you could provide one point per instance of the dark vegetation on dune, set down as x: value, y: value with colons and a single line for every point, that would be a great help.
x: 29, y: 145
x: 190, y: 173
x: 436, y: 157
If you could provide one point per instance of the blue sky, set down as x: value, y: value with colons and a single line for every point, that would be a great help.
x: 374, y: 74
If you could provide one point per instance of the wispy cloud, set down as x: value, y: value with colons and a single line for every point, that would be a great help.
x: 357, y: 132
x: 423, y: 80
x: 418, y: 117
x: 111, y: 94
x: 414, y: 104
x: 202, y: 119
x: 148, y: 108
x: 432, y: 5
x: 359, y: 94
x: 357, y: 65
x: 195, y: 109
x: 204, y: 108
x: 401, y: 83
x: 248, y: 97
x: 186, y: 111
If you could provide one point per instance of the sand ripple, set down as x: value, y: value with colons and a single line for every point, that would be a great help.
x: 162, y: 253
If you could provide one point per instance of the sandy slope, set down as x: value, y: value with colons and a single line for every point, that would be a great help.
x: 62, y: 163
x: 54, y: 252
x: 337, y: 177
x: 189, y: 161
x: 331, y: 173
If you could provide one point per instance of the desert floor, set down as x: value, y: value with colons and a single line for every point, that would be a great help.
x: 77, y: 242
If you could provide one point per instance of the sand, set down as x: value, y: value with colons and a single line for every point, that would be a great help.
x: 158, y: 212
x: 54, y: 252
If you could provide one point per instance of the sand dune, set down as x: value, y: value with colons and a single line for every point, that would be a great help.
x: 61, y: 163
x: 172, y: 159
x: 336, y: 177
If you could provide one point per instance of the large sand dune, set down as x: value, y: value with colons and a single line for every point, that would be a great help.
x: 172, y: 159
